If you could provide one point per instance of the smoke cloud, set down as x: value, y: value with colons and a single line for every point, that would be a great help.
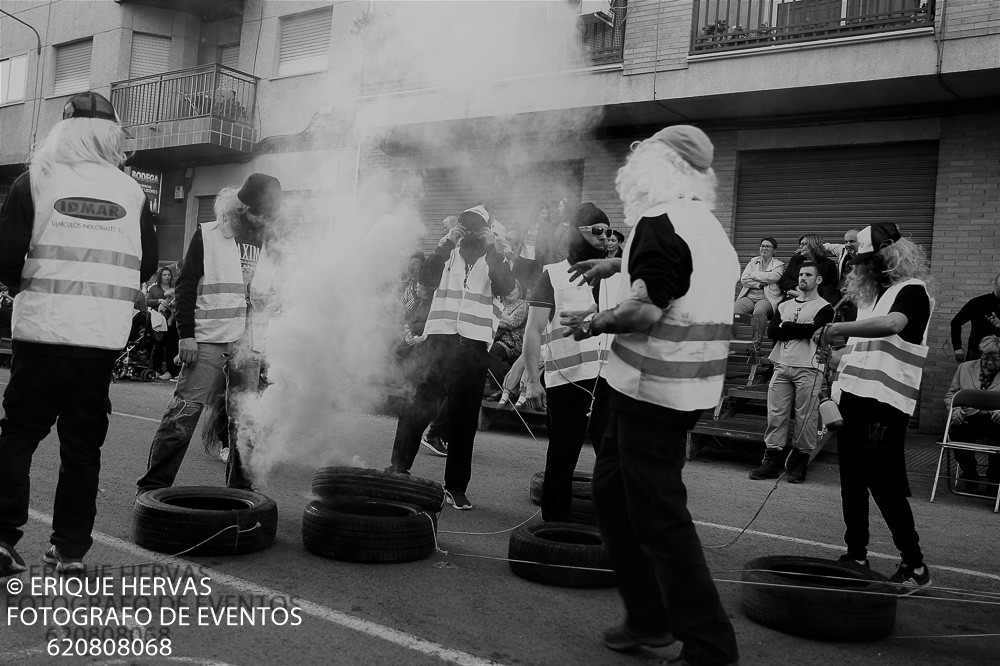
x: 338, y: 265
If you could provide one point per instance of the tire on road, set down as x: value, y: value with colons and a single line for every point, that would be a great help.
x: 368, y: 530
x: 816, y: 598
x: 339, y: 484
x: 582, y: 483
x: 234, y: 522
x: 564, y: 544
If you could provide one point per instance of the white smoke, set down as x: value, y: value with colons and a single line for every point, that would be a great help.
x: 328, y: 345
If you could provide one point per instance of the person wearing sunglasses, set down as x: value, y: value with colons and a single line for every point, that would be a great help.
x: 213, y: 316
x: 760, y: 294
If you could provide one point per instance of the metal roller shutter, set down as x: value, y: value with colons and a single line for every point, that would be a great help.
x: 73, y: 67
x: 788, y: 193
x: 229, y: 56
x: 305, y: 42
x: 206, y: 209
x: 515, y: 192
x: 150, y: 55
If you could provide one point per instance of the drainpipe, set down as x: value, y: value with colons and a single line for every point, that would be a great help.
x: 939, y: 39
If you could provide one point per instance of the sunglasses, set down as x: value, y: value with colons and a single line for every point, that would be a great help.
x: 597, y: 230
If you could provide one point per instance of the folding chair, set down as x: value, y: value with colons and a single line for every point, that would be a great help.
x: 982, y: 400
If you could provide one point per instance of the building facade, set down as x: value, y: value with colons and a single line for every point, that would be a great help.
x: 825, y: 114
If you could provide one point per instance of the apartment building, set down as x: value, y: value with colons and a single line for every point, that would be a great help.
x: 826, y: 114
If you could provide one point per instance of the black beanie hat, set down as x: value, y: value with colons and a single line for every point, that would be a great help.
x: 261, y: 193
x: 587, y: 214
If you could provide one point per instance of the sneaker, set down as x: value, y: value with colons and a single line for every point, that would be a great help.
x: 436, y: 445
x: 11, y: 561
x: 909, y: 579
x: 847, y: 558
x: 623, y: 639
x: 224, y: 454
x: 522, y: 400
x: 63, y: 564
x: 164, y: 377
x: 457, y: 499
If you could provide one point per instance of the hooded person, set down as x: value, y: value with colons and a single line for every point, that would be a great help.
x: 76, y: 242
x: 469, y: 274
x: 215, y: 323
x: 575, y: 397
x: 666, y: 364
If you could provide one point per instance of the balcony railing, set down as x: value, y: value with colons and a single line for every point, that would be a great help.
x: 743, y: 24
x: 204, y: 91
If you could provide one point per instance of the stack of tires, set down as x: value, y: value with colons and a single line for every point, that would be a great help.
x: 204, y: 520
x: 581, y: 508
x: 365, y: 515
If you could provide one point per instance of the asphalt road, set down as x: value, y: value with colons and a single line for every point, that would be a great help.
x: 464, y: 605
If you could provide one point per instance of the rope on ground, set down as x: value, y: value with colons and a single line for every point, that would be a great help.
x: 759, y: 509
x: 235, y: 526
x: 509, y: 529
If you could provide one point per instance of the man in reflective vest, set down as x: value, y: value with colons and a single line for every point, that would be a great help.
x: 877, y: 389
x: 575, y: 397
x: 214, y: 322
x: 667, y: 364
x: 76, y: 241
x: 470, y: 273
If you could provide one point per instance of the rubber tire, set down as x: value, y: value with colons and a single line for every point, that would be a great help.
x: 161, y: 525
x: 829, y: 609
x: 582, y: 484
x: 354, y: 532
x: 572, y: 545
x: 148, y: 375
x: 337, y: 484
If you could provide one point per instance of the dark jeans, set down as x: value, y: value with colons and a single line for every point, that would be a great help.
x: 568, y: 406
x: 870, y: 450
x: 455, y: 367
x: 976, y: 427
x: 439, y: 426
x: 71, y: 393
x: 642, y: 511
x: 165, y: 349
x: 194, y: 387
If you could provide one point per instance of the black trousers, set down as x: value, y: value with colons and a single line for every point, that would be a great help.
x: 870, y: 451
x: 450, y: 366
x: 976, y: 427
x: 641, y: 503
x: 569, y: 424
x: 72, y: 394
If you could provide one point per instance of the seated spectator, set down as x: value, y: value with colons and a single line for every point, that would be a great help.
x: 509, y: 338
x: 615, y: 244
x: 760, y: 294
x: 969, y: 425
x: 811, y: 249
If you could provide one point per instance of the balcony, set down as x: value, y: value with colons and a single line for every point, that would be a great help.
x: 201, y: 112
x: 730, y: 25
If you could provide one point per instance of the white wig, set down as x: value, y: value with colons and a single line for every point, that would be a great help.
x: 654, y: 174
x: 76, y: 141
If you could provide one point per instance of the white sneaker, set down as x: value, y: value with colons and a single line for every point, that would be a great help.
x: 165, y: 376
x: 224, y: 454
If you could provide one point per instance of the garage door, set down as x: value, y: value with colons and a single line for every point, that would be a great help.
x: 788, y: 193
x: 515, y: 192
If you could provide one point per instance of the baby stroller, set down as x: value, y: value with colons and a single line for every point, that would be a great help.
x: 132, y: 363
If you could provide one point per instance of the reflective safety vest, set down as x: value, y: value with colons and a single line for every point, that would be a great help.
x: 680, y: 362
x: 888, y: 369
x: 81, y: 274
x: 464, y: 304
x: 221, y: 309
x: 567, y: 360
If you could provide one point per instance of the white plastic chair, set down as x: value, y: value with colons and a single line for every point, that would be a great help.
x: 975, y: 399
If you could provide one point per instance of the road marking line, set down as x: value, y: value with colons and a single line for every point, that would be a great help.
x: 133, y: 416
x: 316, y: 610
x: 830, y: 546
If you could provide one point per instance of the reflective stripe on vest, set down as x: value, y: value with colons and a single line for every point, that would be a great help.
x: 464, y: 305
x: 888, y: 369
x: 567, y: 360
x: 81, y: 272
x: 221, y: 308
x: 680, y: 362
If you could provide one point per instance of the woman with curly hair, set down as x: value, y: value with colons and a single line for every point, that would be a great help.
x: 878, y: 387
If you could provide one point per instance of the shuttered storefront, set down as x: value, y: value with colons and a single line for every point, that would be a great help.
x: 305, y: 42
x: 515, y: 192
x: 150, y: 55
x: 788, y: 193
x: 73, y: 67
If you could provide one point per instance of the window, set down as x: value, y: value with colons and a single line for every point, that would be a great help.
x: 150, y: 55
x: 305, y: 42
x: 13, y: 76
x: 73, y: 67
x: 229, y: 56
